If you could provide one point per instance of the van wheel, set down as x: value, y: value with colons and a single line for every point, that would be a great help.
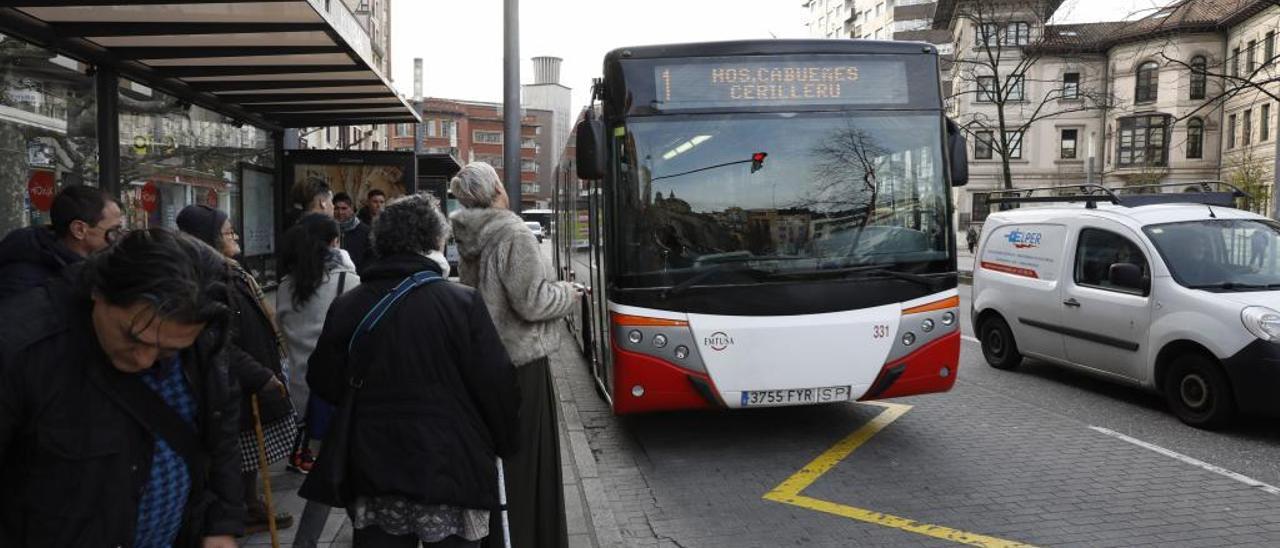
x: 1199, y: 393
x: 998, y: 346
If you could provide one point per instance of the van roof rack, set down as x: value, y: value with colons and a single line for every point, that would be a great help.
x: 1199, y: 192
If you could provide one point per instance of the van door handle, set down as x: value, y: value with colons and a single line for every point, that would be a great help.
x: 1072, y: 302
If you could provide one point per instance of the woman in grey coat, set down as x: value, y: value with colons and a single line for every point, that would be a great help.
x: 500, y: 257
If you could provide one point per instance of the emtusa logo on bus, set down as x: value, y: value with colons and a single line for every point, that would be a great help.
x: 1024, y: 240
x: 718, y: 341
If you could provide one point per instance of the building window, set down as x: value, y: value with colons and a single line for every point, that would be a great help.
x: 1147, y: 86
x: 431, y: 128
x: 402, y: 130
x: 528, y: 166
x: 1014, y: 138
x: 1246, y: 131
x: 981, y: 209
x: 1235, y: 62
x: 1017, y: 88
x: 986, y: 89
x: 529, y: 142
x: 1142, y: 141
x: 448, y: 129
x: 1270, y: 46
x: 1252, y: 60
x: 1231, y: 131
x: 1067, y: 150
x: 1017, y: 34
x: 1071, y: 85
x: 1195, y: 138
x: 986, y: 34
x: 1264, y: 122
x: 982, y: 145
x: 488, y: 137
x: 1197, y: 77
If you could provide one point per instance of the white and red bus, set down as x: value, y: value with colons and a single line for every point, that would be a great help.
x: 764, y: 223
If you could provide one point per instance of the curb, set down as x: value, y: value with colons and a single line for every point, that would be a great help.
x: 601, y: 524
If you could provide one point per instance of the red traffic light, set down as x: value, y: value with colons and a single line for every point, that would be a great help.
x: 757, y: 161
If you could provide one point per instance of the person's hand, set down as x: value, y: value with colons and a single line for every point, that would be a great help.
x: 226, y: 541
x: 579, y: 289
x: 275, y: 384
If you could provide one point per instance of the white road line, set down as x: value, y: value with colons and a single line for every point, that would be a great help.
x: 1267, y: 488
x: 970, y: 339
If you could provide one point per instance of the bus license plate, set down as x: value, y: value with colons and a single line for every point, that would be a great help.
x: 795, y: 396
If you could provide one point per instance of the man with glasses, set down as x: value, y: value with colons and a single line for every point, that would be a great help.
x: 84, y: 220
x: 118, y: 416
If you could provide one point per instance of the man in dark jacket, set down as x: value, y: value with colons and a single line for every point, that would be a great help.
x: 117, y: 413
x: 85, y: 220
x: 355, y: 233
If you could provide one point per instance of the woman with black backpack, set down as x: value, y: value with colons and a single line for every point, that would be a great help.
x: 428, y: 394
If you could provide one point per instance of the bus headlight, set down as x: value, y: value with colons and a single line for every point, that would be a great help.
x: 659, y: 340
x: 948, y: 318
x: 926, y: 325
x: 634, y: 336
x: 1263, y: 322
x: 682, y: 352
x: 908, y: 339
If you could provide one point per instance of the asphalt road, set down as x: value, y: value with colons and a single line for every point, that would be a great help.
x: 1005, y: 457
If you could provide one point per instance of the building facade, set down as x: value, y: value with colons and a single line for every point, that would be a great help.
x: 472, y: 131
x: 1175, y: 94
x: 374, y: 17
x: 875, y: 20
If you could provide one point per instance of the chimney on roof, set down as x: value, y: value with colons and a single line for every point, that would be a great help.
x: 417, y: 79
x: 546, y: 70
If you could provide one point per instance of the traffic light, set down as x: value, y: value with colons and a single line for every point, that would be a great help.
x: 757, y: 161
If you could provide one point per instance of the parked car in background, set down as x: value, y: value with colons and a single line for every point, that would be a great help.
x: 1179, y: 298
x: 536, y: 228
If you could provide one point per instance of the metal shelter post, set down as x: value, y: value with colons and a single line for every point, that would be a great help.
x: 511, y: 102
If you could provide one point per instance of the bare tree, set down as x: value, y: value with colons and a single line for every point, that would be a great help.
x: 1010, y: 44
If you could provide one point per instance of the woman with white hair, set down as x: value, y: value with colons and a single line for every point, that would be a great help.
x: 500, y: 258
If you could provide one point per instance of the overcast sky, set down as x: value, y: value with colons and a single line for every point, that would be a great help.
x: 460, y: 41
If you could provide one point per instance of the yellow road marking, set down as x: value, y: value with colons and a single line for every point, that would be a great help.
x: 788, y: 492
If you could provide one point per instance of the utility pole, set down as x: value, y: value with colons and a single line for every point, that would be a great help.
x: 511, y: 102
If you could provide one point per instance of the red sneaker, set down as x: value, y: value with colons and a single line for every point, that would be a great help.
x: 301, y: 461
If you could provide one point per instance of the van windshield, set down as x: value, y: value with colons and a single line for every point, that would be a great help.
x: 1221, y: 255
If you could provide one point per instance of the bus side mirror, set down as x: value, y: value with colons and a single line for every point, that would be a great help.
x: 958, y: 147
x: 591, y: 149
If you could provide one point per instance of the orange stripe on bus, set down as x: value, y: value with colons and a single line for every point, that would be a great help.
x: 641, y: 321
x: 950, y: 302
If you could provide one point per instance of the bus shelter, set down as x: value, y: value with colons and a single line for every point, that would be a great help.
x: 169, y: 103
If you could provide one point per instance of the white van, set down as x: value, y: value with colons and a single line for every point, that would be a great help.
x: 1180, y: 298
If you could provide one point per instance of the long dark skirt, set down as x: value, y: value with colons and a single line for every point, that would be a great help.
x: 535, y: 482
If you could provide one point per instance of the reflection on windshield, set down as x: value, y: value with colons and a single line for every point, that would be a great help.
x: 1229, y: 254
x: 782, y: 192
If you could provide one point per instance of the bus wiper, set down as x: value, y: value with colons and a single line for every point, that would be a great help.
x: 718, y: 268
x: 880, y: 270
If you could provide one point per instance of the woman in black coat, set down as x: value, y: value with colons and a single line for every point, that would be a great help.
x: 257, y: 360
x: 438, y: 400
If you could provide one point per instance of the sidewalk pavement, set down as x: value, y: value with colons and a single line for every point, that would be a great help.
x: 580, y: 478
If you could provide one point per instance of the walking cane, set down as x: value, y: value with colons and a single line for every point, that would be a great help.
x: 266, y: 474
x: 502, y: 505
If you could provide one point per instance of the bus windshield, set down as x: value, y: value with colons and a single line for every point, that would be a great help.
x: 792, y: 195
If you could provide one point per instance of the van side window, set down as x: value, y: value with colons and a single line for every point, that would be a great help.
x: 1098, y: 250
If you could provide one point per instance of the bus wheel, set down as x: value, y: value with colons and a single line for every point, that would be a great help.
x: 1199, y: 393
x: 998, y: 346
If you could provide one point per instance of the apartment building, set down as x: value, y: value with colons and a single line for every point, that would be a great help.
x: 875, y: 20
x: 472, y: 131
x: 1169, y: 96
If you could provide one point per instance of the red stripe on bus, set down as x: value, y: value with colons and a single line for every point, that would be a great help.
x: 1015, y: 270
x: 666, y: 386
x: 923, y: 374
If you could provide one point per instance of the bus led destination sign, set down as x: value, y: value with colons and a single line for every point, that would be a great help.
x: 842, y: 80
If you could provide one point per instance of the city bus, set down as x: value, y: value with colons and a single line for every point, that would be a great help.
x: 768, y: 223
